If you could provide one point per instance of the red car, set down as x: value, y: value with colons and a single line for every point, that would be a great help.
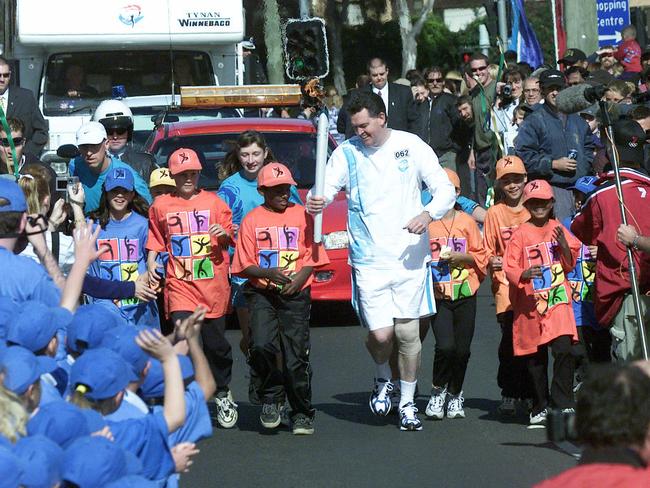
x: 293, y: 142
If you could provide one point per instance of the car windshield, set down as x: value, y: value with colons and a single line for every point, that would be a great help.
x: 295, y: 149
x: 76, y: 82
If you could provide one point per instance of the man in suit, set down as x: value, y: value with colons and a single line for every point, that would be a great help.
x: 20, y: 103
x: 400, y: 107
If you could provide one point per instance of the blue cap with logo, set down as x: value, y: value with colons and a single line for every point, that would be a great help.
x: 43, y: 459
x: 154, y: 383
x: 63, y: 423
x: 93, y: 461
x: 100, y: 373
x: 119, y: 177
x: 22, y: 368
x: 585, y: 184
x: 36, y: 324
x: 13, y: 198
x: 88, y: 326
x: 122, y: 341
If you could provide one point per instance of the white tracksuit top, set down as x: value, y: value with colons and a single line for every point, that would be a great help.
x: 383, y: 188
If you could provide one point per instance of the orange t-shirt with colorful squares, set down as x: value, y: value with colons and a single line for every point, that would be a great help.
x: 542, y: 306
x: 500, y: 222
x: 461, y: 234
x: 197, y: 270
x: 277, y: 240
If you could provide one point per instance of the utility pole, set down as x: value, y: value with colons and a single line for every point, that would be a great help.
x: 304, y: 9
x: 503, y: 22
x: 581, y: 25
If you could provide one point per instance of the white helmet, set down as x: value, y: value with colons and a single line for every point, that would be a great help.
x: 113, y: 114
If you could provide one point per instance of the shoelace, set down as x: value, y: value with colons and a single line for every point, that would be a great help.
x: 409, y: 410
x: 385, y: 390
x: 267, y: 408
x: 456, y: 403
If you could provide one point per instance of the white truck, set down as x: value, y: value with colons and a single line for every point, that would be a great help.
x: 73, y: 54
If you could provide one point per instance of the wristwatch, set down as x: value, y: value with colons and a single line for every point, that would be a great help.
x: 635, y: 242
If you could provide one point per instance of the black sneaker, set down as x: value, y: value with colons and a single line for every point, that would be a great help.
x: 270, y: 416
x: 303, y: 425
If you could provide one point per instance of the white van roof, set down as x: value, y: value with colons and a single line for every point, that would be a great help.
x: 116, y: 23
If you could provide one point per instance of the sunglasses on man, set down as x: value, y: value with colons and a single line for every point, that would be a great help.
x: 18, y: 141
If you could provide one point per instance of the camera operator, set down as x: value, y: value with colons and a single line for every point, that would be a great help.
x: 509, y: 93
x: 612, y: 423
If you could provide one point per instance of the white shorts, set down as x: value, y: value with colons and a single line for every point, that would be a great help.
x: 379, y: 296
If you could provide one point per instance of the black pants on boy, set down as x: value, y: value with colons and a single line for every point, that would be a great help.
x: 512, y: 377
x: 216, y: 348
x: 563, y: 369
x: 284, y: 320
x: 453, y: 327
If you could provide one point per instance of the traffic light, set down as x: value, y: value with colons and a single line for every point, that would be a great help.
x: 305, y: 49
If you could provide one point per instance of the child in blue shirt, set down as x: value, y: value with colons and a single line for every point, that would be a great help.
x: 124, y: 232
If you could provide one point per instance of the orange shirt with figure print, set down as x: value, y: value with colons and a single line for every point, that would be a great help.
x: 500, y: 223
x: 460, y: 233
x: 197, y: 270
x: 542, y: 306
x: 277, y: 240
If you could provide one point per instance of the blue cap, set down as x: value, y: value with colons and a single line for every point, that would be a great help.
x: 132, y: 481
x: 119, y: 177
x: 585, y: 184
x: 103, y: 371
x: 42, y: 458
x: 89, y: 324
x: 36, y: 324
x: 8, y: 310
x: 154, y: 383
x: 122, y: 341
x: 93, y: 461
x: 61, y: 422
x: 10, y: 191
x: 22, y: 368
x: 11, y: 467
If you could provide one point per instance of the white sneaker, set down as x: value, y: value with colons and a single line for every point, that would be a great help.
x: 226, y: 411
x: 380, y: 402
x: 436, y: 406
x: 538, y: 421
x: 455, y: 407
x: 508, y: 407
x: 408, y: 419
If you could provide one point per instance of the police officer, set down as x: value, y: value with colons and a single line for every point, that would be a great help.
x: 117, y: 118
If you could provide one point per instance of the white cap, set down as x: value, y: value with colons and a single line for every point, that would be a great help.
x: 91, y: 133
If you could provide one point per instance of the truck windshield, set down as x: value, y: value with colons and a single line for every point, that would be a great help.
x: 75, y: 82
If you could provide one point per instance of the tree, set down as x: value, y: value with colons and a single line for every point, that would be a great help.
x: 333, y: 18
x: 273, y: 41
x: 410, y: 31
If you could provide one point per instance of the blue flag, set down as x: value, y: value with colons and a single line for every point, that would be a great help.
x: 523, y: 39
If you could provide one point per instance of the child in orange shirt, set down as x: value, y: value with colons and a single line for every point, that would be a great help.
x: 539, y: 254
x: 501, y: 220
x: 195, y: 227
x: 458, y: 267
x: 276, y: 252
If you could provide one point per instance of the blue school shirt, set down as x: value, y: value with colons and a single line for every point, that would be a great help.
x: 25, y: 279
x: 197, y: 424
x: 581, y: 280
x: 93, y: 183
x: 49, y: 393
x: 125, y: 260
x: 146, y: 437
x: 132, y: 407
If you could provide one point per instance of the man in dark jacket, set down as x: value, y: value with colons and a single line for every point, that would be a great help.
x: 554, y: 146
x: 438, y: 118
x: 402, y: 112
x: 20, y: 103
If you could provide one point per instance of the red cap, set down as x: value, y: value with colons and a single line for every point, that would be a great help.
x: 184, y: 159
x: 538, y: 189
x: 274, y: 174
